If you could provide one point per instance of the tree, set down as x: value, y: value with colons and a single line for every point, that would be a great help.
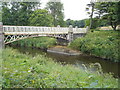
x: 87, y: 22
x: 41, y: 17
x: 18, y: 13
x: 26, y: 10
x: 56, y: 10
x: 81, y: 23
x: 74, y: 23
x: 6, y: 14
x: 69, y: 22
x: 92, y: 4
x: 14, y: 12
x: 109, y: 11
x: 0, y: 11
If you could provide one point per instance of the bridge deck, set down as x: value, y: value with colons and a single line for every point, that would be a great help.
x: 31, y: 30
x: 14, y: 33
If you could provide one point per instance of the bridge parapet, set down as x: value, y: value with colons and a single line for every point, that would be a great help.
x: 20, y: 32
x: 12, y: 30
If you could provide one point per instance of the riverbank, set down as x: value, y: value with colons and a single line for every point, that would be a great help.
x: 104, y: 44
x: 25, y: 71
x: 45, y: 43
x: 37, y: 42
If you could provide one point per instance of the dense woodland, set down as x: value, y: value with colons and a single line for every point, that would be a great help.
x: 30, y: 13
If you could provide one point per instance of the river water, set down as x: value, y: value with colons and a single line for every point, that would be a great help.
x: 78, y: 60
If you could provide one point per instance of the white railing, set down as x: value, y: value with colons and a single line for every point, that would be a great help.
x: 13, y: 30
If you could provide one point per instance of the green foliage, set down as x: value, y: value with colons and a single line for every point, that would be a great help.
x: 74, y: 23
x: 25, y: 71
x: 95, y: 23
x: 109, y: 11
x: 69, y: 22
x: 27, y: 13
x: 6, y: 15
x: 99, y: 43
x: 56, y: 10
x: 0, y: 11
x: 17, y: 13
x: 41, y: 17
x: 39, y: 42
x: 112, y: 14
x: 87, y: 22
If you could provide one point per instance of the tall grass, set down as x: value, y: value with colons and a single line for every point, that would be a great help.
x: 38, y: 42
x: 104, y: 44
x: 25, y: 71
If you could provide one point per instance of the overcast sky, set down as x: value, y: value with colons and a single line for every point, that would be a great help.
x: 73, y: 9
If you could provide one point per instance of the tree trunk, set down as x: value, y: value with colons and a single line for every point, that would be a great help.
x: 114, y: 28
x: 113, y: 25
x: 91, y: 16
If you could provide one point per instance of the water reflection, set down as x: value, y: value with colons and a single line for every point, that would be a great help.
x: 107, y: 66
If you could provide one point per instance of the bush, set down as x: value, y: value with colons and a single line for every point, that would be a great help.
x: 39, y: 42
x: 104, y: 44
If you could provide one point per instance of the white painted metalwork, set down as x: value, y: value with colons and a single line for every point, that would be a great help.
x: 13, y: 33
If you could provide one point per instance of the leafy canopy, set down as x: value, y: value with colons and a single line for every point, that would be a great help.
x: 41, y: 17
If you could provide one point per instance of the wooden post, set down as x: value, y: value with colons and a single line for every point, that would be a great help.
x: 70, y: 34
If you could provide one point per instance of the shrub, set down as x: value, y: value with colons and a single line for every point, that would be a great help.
x: 38, y: 42
x: 99, y: 43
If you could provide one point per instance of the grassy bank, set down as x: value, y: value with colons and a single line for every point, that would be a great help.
x: 104, y: 44
x: 38, y: 42
x: 21, y: 70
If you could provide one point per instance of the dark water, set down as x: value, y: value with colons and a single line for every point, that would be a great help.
x: 107, y: 66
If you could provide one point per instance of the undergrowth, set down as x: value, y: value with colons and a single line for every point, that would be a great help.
x: 24, y: 71
x: 36, y: 42
x: 103, y: 44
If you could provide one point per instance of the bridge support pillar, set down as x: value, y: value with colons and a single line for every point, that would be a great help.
x: 70, y: 34
x: 87, y: 29
x: 1, y: 48
x: 1, y: 36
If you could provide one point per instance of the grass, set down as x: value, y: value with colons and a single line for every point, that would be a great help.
x: 38, y: 42
x: 24, y: 71
x: 103, y: 44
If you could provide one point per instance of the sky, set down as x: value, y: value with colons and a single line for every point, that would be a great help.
x: 73, y: 9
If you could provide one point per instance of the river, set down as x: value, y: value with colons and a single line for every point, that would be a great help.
x: 76, y: 60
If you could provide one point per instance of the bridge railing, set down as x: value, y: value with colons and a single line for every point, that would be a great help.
x: 11, y: 30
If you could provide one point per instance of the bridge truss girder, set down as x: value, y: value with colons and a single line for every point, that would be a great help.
x: 12, y: 38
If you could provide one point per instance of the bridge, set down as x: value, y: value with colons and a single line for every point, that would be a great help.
x: 14, y: 33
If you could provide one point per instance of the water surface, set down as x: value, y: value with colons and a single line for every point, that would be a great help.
x: 78, y: 60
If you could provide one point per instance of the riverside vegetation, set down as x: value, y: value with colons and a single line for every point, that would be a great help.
x: 25, y: 71
x: 37, y: 42
x: 103, y: 44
